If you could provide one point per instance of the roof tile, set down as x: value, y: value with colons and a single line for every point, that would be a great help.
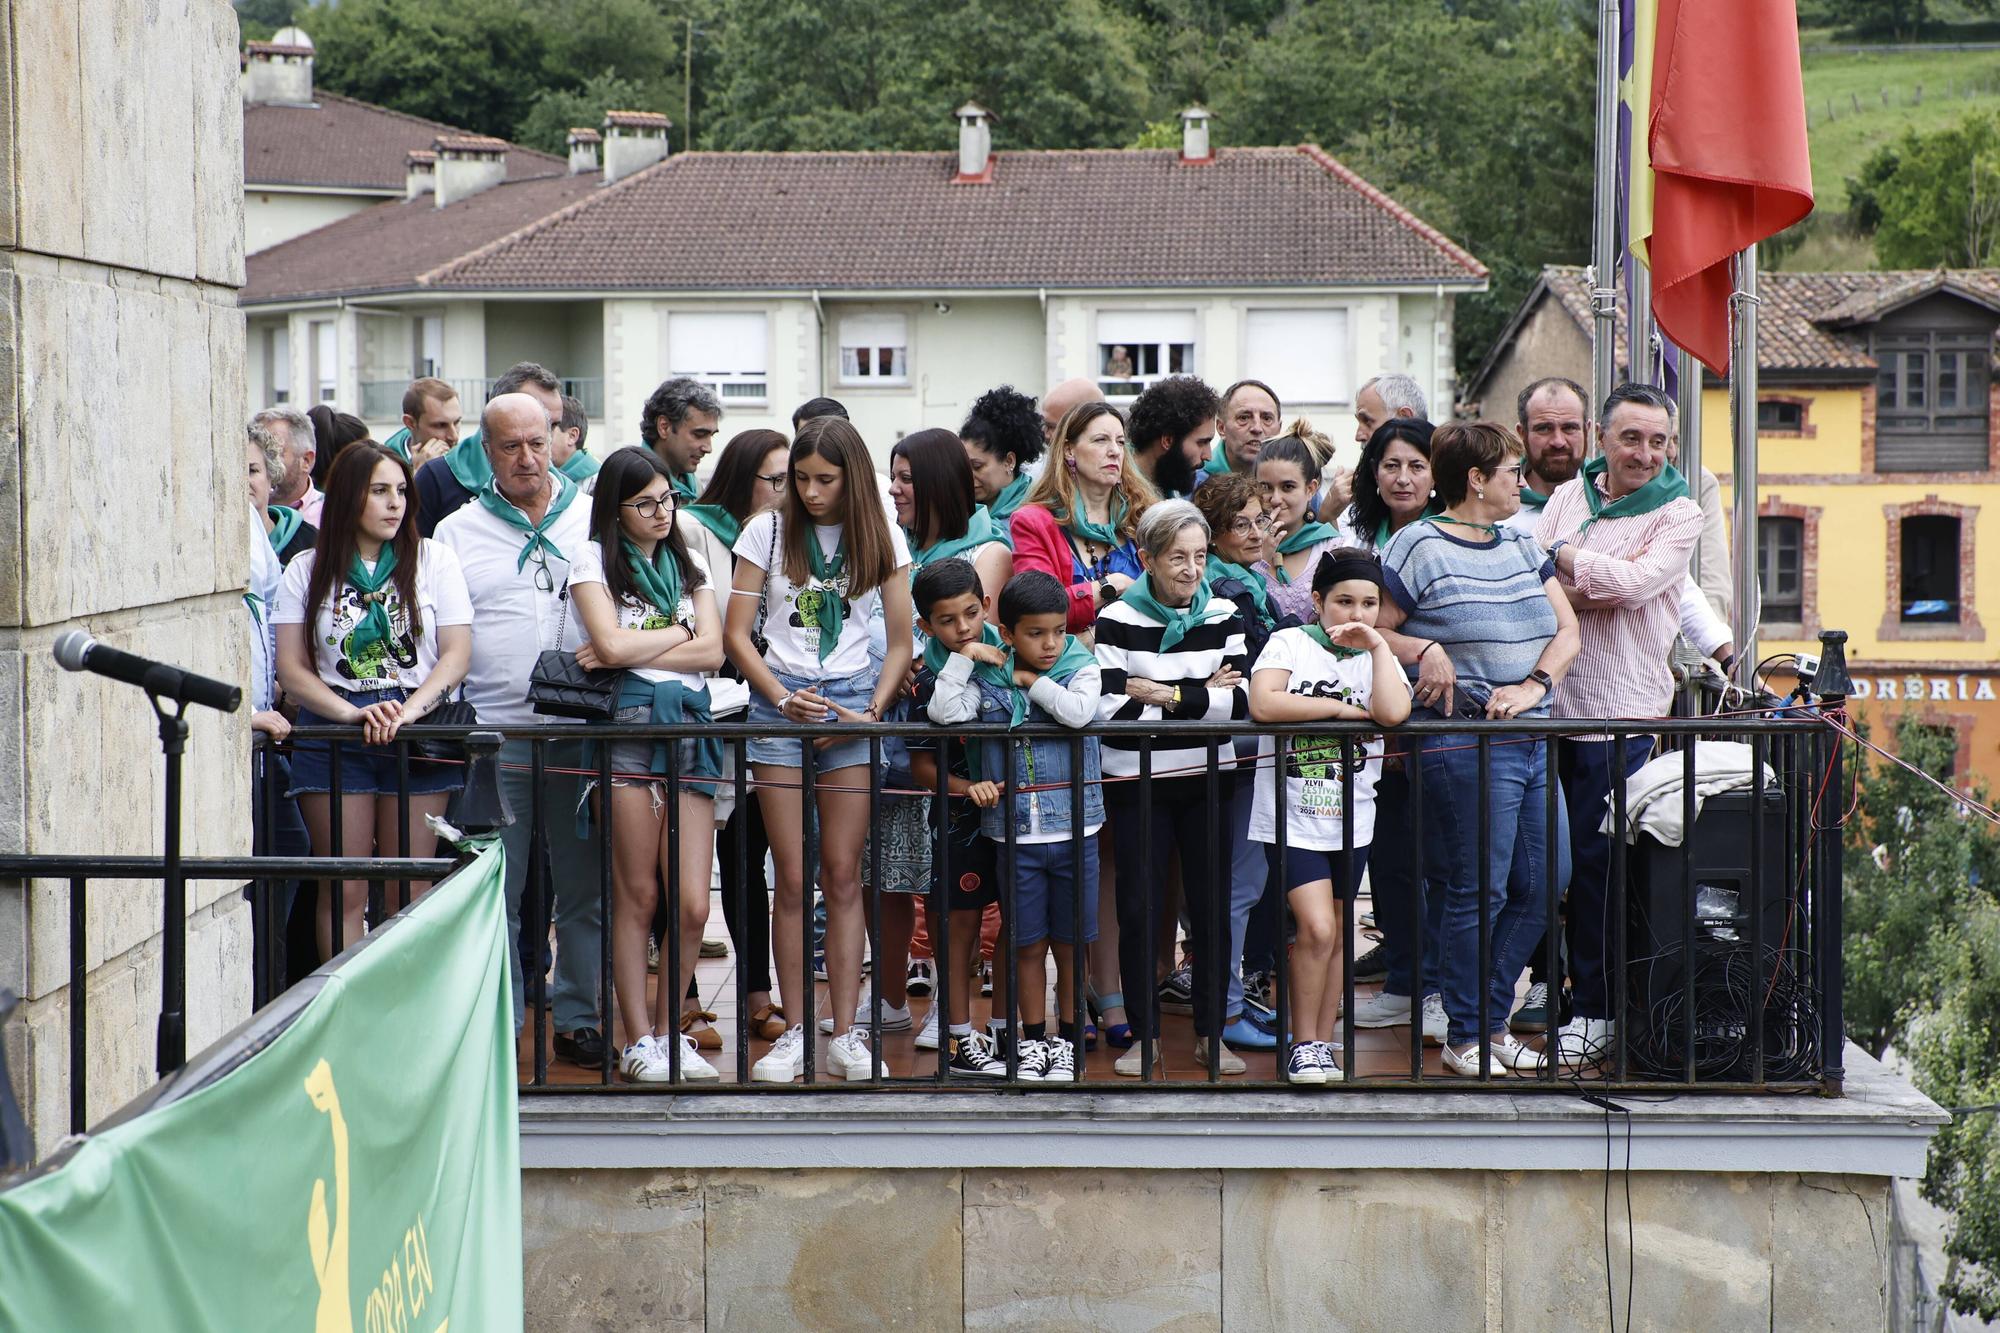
x: 338, y: 142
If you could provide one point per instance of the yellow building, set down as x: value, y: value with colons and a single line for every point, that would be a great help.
x: 1878, y: 474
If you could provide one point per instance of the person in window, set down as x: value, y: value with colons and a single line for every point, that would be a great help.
x: 1003, y: 437
x: 1483, y: 602
x: 373, y: 628
x: 817, y: 568
x: 1080, y: 520
x: 1118, y: 365
x: 647, y: 609
x: 1171, y: 650
x: 749, y: 478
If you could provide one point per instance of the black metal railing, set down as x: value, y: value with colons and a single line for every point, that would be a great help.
x: 1724, y: 974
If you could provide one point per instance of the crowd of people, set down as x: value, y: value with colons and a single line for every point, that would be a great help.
x: 1187, y: 559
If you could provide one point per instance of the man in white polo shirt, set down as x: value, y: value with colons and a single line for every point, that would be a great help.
x: 514, y: 541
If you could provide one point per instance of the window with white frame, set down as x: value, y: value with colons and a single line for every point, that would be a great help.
x: 874, y: 349
x: 726, y: 350
x: 1135, y: 348
x: 430, y: 346
x: 1302, y: 354
x: 325, y: 344
x: 277, y: 351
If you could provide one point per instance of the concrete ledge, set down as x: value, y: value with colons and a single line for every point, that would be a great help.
x: 1880, y: 1127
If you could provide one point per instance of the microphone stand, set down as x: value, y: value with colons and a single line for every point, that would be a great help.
x: 171, y: 1048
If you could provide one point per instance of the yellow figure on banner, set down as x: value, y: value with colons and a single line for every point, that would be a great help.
x: 329, y: 1253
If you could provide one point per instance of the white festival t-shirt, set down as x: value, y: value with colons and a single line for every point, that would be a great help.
x: 638, y: 613
x: 791, y: 621
x: 407, y: 658
x: 1313, y: 815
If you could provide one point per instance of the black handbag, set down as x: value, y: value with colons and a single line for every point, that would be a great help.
x: 560, y: 686
x: 445, y: 749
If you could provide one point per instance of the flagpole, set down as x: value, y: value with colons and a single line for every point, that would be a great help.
x: 1743, y: 469
x: 1641, y: 337
x: 1604, y: 240
x: 1687, y: 406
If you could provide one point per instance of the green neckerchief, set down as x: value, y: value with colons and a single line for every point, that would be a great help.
x: 936, y: 656
x: 399, y: 444
x: 538, y: 539
x: 1312, y: 534
x: 580, y: 467
x: 1383, y: 532
x: 467, y: 461
x: 1661, y: 491
x: 1178, y: 620
x: 1219, y: 568
x: 1533, y: 499
x: 682, y: 484
x: 285, y: 526
x: 1011, y: 498
x: 1318, y: 635
x: 256, y: 605
x: 832, y: 606
x: 717, y: 520
x: 1490, y: 529
x: 1106, y: 533
x: 659, y: 579
x: 1218, y: 462
x: 1073, y: 658
x: 978, y: 532
x: 375, y: 626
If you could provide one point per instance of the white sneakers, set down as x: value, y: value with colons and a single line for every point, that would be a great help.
x: 1507, y: 1054
x: 786, y: 1059
x: 1585, y: 1041
x: 1383, y: 1010
x: 647, y: 1060
x: 1435, y: 1023
x: 893, y: 1019
x: 927, y: 1039
x: 847, y: 1054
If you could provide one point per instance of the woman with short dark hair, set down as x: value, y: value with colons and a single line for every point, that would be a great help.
x: 1003, y: 436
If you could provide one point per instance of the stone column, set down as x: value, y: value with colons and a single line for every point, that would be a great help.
x: 122, y: 510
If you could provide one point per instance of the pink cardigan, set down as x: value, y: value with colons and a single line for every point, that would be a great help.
x: 1039, y: 543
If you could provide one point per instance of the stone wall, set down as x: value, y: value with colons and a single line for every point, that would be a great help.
x: 121, y: 508
x: 1146, y: 1249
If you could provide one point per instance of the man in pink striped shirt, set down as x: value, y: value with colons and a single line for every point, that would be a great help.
x: 1621, y: 534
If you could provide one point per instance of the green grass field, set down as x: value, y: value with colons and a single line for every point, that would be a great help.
x: 1842, y: 138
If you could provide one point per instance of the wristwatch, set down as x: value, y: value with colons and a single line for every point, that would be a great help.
x: 1107, y: 592
x: 1177, y: 699
x: 1541, y: 678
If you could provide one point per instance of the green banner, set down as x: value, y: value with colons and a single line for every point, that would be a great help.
x: 361, y: 1172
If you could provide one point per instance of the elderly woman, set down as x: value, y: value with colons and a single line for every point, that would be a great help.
x: 1171, y: 651
x: 1486, y: 631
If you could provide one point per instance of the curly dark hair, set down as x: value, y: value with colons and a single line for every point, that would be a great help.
x: 1005, y: 421
x: 1171, y: 409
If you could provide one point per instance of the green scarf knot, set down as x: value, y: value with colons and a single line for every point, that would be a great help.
x: 979, y: 530
x: 578, y: 467
x: 1308, y: 536
x: 682, y: 484
x: 285, y: 525
x: 1317, y: 633
x: 832, y: 613
x: 1218, y: 568
x: 659, y: 579
x: 1178, y: 620
x: 1658, y: 493
x: 1012, y: 497
x: 717, y: 520
x: 375, y: 626
x: 1104, y: 534
x: 468, y: 463
x: 538, y: 540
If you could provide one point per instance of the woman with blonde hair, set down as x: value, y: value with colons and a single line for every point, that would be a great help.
x: 1080, y: 523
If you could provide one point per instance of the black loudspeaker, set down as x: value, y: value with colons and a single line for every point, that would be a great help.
x: 1729, y: 979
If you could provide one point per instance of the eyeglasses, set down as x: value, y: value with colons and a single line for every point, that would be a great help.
x: 648, y: 507
x: 545, y: 578
x: 1243, y: 527
x: 771, y: 478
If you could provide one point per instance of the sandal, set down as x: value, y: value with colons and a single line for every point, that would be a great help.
x: 767, y: 1023
x: 1115, y: 1034
x: 706, y: 1037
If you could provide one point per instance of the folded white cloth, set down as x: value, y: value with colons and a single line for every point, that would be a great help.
x: 1653, y: 795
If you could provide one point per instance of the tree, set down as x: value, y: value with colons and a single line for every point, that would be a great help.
x: 470, y: 63
x: 557, y: 110
x: 1935, y: 195
x: 1922, y: 964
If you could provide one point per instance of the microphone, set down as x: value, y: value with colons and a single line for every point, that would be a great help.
x: 77, y: 651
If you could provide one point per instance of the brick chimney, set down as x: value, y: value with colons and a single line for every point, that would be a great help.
x: 467, y: 164
x: 279, y: 72
x: 633, y: 141
x: 583, y: 143
x: 419, y: 172
x: 975, y: 145
x: 1194, y: 136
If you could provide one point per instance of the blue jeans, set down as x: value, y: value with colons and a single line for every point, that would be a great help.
x: 1397, y: 892
x: 1586, y: 780
x: 1249, y: 874
x: 1517, y: 872
x: 573, y: 880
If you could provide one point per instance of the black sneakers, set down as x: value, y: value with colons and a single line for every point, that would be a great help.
x: 585, y: 1047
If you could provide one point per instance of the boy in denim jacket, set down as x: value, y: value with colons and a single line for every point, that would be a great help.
x: 1038, y: 672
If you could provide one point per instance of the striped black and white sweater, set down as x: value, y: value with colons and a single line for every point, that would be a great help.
x: 1128, y: 648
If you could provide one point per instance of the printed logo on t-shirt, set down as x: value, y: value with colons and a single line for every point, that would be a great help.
x: 1315, y: 760
x: 377, y: 661
x: 809, y: 607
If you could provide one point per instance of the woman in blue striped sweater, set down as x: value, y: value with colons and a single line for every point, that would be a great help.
x: 1170, y: 650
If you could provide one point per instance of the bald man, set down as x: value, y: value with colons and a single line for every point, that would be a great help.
x: 1058, y: 402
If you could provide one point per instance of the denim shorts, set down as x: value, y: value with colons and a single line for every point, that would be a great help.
x: 1305, y: 866
x: 850, y: 693
x: 632, y: 760
x: 1045, y: 891
x: 365, y: 770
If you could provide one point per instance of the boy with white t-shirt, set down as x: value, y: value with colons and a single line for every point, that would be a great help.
x: 1337, y: 668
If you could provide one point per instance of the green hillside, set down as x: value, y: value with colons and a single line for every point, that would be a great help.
x: 1925, y: 90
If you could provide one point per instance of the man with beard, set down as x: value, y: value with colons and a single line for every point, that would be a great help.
x: 1552, y: 416
x: 1170, y: 433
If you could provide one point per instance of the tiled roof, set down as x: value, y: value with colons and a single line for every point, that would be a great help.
x: 638, y: 120
x: 1252, y: 217
x: 340, y: 143
x: 395, y: 244
x: 1805, y: 321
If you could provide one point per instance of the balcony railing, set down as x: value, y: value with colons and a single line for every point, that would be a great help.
x: 382, y: 400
